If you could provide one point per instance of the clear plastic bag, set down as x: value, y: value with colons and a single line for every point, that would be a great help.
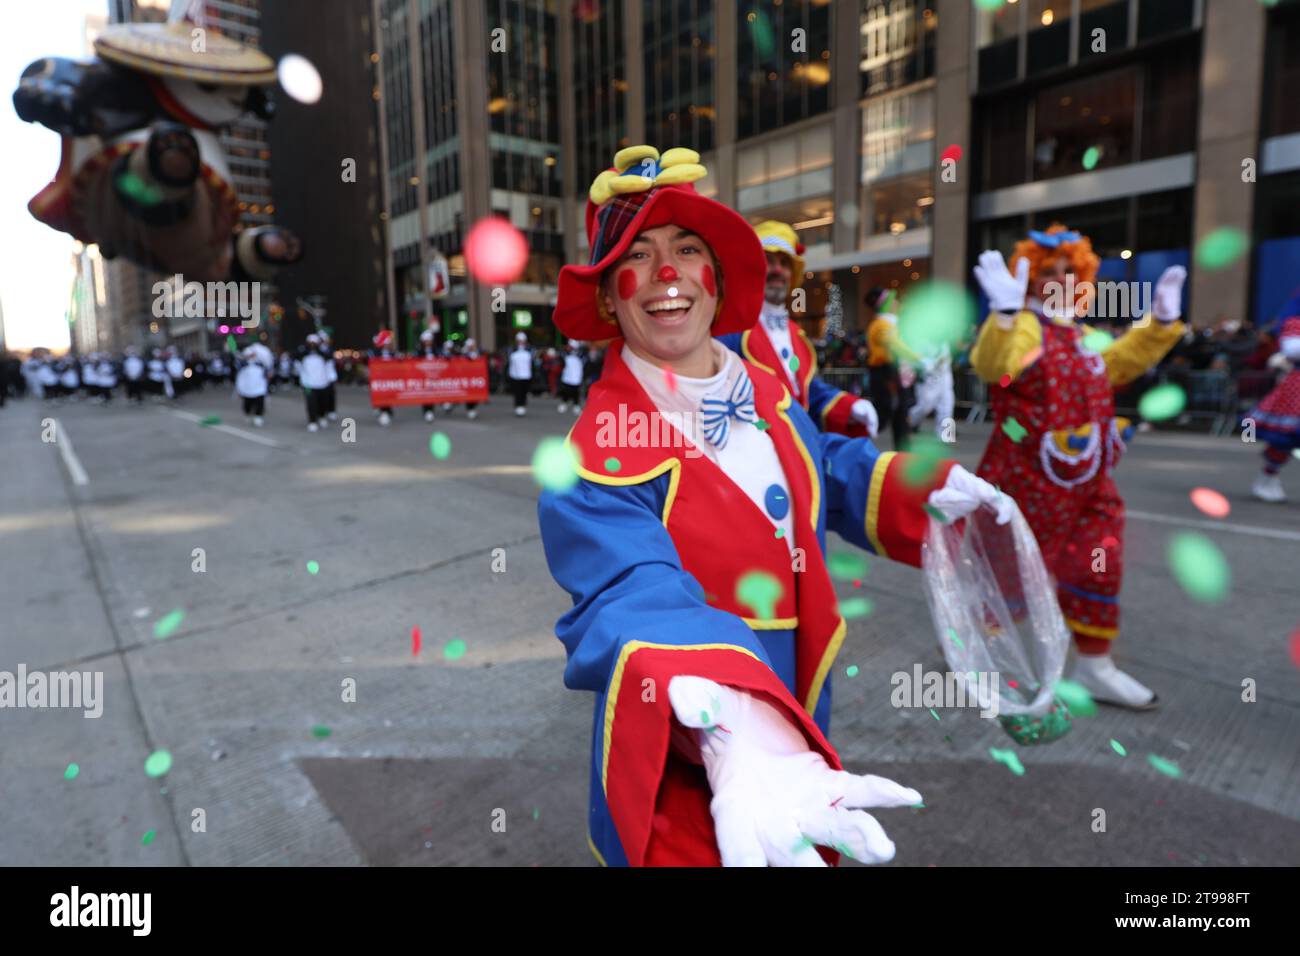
x: 994, y: 606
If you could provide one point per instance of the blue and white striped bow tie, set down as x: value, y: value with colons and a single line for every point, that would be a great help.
x: 717, y: 411
x: 774, y: 320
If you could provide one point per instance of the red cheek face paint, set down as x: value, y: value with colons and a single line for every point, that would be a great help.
x: 626, y: 284
x: 710, y: 285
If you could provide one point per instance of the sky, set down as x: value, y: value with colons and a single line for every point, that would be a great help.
x: 35, y: 261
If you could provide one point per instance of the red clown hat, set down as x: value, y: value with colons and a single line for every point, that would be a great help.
x: 644, y: 190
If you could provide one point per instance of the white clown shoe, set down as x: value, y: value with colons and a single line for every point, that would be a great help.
x: 520, y: 411
x: 1110, y: 685
x: 313, y: 427
x: 1268, y: 488
x: 385, y: 419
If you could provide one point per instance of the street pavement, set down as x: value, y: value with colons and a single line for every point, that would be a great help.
x: 98, y: 532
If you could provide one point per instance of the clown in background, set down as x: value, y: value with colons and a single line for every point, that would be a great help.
x: 1277, y: 417
x: 775, y: 342
x: 1057, y: 440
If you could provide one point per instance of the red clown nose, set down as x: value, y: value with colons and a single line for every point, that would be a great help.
x: 667, y: 274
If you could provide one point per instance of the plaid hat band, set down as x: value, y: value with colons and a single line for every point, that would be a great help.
x: 613, y: 221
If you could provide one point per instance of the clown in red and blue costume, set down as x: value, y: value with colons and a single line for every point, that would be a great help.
x: 704, y: 619
x: 1056, y: 439
x: 1277, y: 416
x: 780, y: 346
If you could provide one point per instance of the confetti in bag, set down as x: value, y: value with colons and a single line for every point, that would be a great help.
x: 994, y: 606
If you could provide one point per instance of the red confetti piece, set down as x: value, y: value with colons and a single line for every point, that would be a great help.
x: 857, y: 582
x: 953, y: 152
x: 495, y: 251
x: 1012, y: 683
x: 415, y: 641
x: 670, y: 379
x: 1005, y: 381
x: 1110, y: 541
x: 1295, y: 647
x: 1210, y: 502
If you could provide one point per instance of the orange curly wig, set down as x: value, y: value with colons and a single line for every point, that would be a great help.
x: 1079, y: 260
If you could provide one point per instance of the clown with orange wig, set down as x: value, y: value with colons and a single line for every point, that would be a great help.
x: 1057, y: 439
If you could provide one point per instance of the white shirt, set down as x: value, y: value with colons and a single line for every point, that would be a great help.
x: 748, y: 458
x: 250, y: 380
x: 775, y: 321
x: 133, y: 367
x: 312, y: 372
x: 572, y: 374
x: 521, y: 363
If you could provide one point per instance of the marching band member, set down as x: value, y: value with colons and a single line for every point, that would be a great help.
x: 520, y: 372
x: 251, y: 384
x: 313, y: 375
x: 571, y: 378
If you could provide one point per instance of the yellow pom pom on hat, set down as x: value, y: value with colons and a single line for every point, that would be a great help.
x: 644, y: 189
x: 779, y: 237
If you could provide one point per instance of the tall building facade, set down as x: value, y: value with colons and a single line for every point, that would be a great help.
x: 1148, y: 124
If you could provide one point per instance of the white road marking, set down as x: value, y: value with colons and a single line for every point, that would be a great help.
x: 1216, y: 526
x: 237, y: 432
x: 70, y: 459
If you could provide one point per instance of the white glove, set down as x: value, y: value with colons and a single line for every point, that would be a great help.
x: 1005, y: 292
x: 963, y: 492
x: 864, y: 412
x: 773, y: 797
x: 1289, y: 347
x: 1168, y: 305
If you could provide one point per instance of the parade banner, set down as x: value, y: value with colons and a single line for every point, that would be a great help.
x: 427, y: 381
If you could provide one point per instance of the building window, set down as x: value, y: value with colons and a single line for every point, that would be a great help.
x: 897, y: 135
x: 600, y: 88
x: 897, y: 43
x: 997, y: 35
x: 1048, y: 35
x: 811, y: 219
x: 897, y: 205
x: 1282, y: 74
x: 778, y: 86
x: 1158, y: 17
x: 1108, y: 16
x: 1086, y: 124
x: 679, y: 57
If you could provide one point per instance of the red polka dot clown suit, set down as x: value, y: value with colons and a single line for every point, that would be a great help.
x: 704, y: 619
x: 1057, y: 440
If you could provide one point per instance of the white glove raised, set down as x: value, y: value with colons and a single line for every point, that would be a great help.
x: 963, y: 492
x: 1005, y: 292
x: 864, y: 412
x: 773, y: 797
x: 1168, y: 304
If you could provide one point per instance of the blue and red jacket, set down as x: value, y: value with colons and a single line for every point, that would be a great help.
x: 651, y: 543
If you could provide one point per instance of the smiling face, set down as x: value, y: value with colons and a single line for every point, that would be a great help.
x: 780, y: 268
x: 664, y: 293
x: 1053, y: 272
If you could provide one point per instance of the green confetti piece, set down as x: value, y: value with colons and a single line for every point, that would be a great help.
x: 454, y: 650
x: 1118, y: 747
x: 761, y: 425
x: 1076, y: 698
x: 313, y: 567
x: 952, y: 636
x: 935, y: 513
x: 780, y: 532
x: 918, y: 806
x: 1167, y: 767
x: 555, y: 465
x: 846, y: 565
x: 1199, y: 567
x: 760, y: 591
x: 148, y: 837
x: 855, y: 607
x: 934, y: 715
x: 1091, y: 156
x: 1014, y: 430
x: 145, y: 193
x: 947, y: 738
x: 167, y: 624
x: 925, y: 454
x: 159, y: 762
x: 851, y: 670
x: 1222, y: 247
x: 794, y: 363
x: 937, y: 316
x: 1009, y: 759
x: 536, y: 813
x: 210, y: 420
x: 613, y: 465
x: 1161, y: 402
x: 989, y: 4
x: 320, y: 730
x: 760, y: 31
x: 1098, y: 341
x: 71, y: 772
x: 439, y: 445
x: 705, y: 719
